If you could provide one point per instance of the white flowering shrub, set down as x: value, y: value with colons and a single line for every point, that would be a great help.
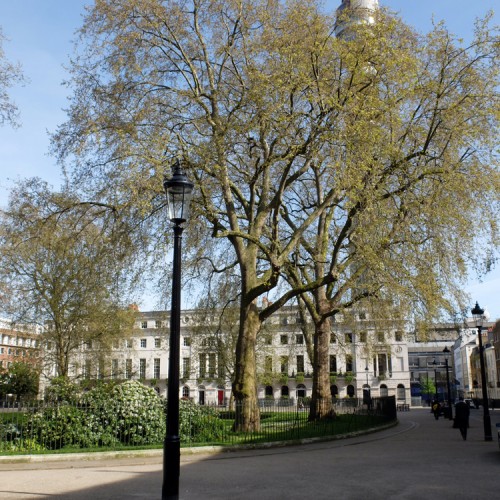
x: 59, y: 426
x: 113, y: 414
x: 136, y: 414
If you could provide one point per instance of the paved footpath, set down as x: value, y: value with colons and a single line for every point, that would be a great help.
x: 419, y: 459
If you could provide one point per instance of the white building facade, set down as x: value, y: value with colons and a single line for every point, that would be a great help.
x: 363, y: 355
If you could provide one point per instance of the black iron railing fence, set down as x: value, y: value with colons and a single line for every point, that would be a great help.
x: 45, y: 427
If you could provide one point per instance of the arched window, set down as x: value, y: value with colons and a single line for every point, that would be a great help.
x: 401, y: 392
x: 284, y: 391
x: 301, y: 391
x: 334, y: 391
x: 269, y: 391
x: 350, y: 391
x: 185, y: 392
x: 384, y: 391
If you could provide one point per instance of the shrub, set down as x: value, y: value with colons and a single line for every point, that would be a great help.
x: 109, y: 414
x: 136, y: 414
x: 61, y: 389
x: 58, y: 426
x: 200, y: 424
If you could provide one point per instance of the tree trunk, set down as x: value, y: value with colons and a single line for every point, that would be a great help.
x: 321, y: 402
x: 245, y: 378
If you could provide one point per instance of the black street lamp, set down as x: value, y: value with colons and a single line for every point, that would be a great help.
x: 366, y: 389
x: 478, y: 315
x: 446, y: 351
x: 178, y: 190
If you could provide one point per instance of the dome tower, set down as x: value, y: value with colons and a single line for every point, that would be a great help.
x: 353, y: 12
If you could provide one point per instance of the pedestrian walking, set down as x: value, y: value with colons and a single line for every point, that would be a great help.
x: 462, y: 411
x: 436, y: 409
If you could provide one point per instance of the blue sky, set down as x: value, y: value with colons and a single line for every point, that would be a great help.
x: 40, y: 33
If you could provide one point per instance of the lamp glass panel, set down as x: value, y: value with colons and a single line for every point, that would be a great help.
x: 178, y: 202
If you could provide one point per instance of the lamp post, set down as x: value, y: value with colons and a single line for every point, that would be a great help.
x: 446, y: 351
x: 366, y: 390
x: 178, y: 190
x: 478, y: 315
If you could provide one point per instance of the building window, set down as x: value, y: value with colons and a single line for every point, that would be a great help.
x: 334, y: 391
x: 187, y: 341
x: 220, y: 367
x: 157, y: 324
x: 333, y: 338
x: 128, y: 343
x: 380, y: 336
x: 284, y: 364
x: 398, y: 336
x: 362, y: 315
x: 362, y: 337
x: 128, y: 368
x: 348, y: 363
x: 268, y: 364
x: 114, y: 368
x: 299, y: 339
x: 144, y: 324
x: 185, y: 392
x: 211, y: 365
x: 86, y: 369
x: 142, y: 368
x: 333, y: 363
x: 203, y: 364
x: 156, y: 368
x: 401, y: 393
x: 186, y: 367
x: 157, y: 342
x: 300, y: 364
x: 348, y: 338
x: 382, y: 364
x: 144, y: 342
x: 283, y: 339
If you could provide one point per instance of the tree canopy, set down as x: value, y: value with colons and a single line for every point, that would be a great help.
x: 61, y: 268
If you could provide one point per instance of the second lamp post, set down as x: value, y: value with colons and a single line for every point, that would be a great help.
x: 478, y: 315
x: 179, y: 191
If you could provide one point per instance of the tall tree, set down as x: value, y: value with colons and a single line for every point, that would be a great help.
x: 61, y: 268
x: 264, y: 105
x: 398, y: 236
